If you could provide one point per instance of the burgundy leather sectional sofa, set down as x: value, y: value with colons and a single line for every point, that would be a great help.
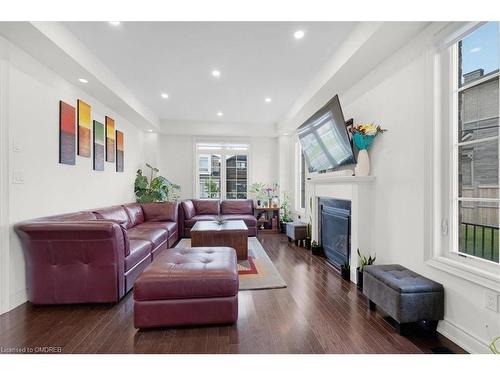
x: 96, y: 255
x: 208, y: 209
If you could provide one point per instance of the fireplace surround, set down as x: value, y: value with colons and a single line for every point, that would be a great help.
x: 354, y: 189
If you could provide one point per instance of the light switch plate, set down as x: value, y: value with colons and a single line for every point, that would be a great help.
x: 18, y: 177
x: 491, y: 300
x: 16, y: 147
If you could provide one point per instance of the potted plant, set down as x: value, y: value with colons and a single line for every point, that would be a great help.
x: 257, y: 189
x: 156, y: 189
x: 345, y: 270
x: 286, y: 213
x: 363, y: 262
x: 316, y: 248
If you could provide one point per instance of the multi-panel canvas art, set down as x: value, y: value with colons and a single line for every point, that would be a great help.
x: 84, y: 129
x: 119, y: 151
x: 98, y: 146
x: 110, y: 139
x: 67, y: 134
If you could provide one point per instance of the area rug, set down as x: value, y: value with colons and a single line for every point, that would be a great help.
x: 257, y: 272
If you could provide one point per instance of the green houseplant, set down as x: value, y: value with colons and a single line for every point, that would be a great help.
x: 257, y: 190
x: 154, y: 189
x: 316, y: 248
x: 345, y: 270
x: 285, y: 212
x: 493, y: 345
x: 363, y: 262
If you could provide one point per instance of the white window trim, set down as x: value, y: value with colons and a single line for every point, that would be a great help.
x: 223, y: 152
x: 480, y: 272
x: 297, y: 172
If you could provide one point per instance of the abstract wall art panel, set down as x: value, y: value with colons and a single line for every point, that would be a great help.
x: 98, y: 146
x: 110, y: 139
x: 84, y: 129
x: 119, y: 151
x: 67, y: 134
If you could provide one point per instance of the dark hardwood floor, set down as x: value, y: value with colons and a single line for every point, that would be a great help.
x: 317, y: 313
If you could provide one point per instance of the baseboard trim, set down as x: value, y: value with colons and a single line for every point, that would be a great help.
x: 18, y: 298
x: 463, y: 338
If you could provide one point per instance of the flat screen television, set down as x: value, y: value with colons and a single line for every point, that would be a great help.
x: 324, y: 139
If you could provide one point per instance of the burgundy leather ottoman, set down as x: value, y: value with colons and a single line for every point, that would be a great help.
x: 193, y: 286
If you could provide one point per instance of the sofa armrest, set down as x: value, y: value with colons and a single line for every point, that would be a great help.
x: 73, y: 261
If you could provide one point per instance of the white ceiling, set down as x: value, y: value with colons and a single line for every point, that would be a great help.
x: 256, y: 60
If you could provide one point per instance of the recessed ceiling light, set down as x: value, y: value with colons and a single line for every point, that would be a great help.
x: 150, y: 130
x: 219, y: 114
x: 164, y: 95
x: 268, y: 100
x: 114, y: 23
x: 216, y: 73
x: 83, y: 80
x: 299, y: 34
x: 285, y: 133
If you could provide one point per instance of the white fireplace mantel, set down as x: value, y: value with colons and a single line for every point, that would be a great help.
x: 357, y: 189
x: 332, y: 179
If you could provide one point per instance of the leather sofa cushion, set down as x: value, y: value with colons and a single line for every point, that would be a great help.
x: 155, y: 235
x: 189, y: 210
x: 249, y: 220
x: 206, y: 206
x: 164, y: 211
x: 135, y: 214
x: 236, y: 206
x: 139, y: 249
x: 201, y: 272
x: 169, y: 226
x: 189, y: 223
x: 115, y: 213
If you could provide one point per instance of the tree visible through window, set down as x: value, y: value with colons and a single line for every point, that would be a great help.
x: 222, y: 170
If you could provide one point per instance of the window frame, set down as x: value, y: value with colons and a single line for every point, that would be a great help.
x: 455, y: 150
x: 441, y: 163
x: 300, y: 184
x: 224, y: 149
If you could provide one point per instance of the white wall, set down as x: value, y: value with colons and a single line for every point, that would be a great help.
x: 33, y: 93
x: 177, y: 160
x: 394, y: 96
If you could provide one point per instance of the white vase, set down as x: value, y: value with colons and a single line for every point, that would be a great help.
x: 363, y: 166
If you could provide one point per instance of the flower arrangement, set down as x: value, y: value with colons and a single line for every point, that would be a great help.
x: 364, y: 134
x: 265, y: 192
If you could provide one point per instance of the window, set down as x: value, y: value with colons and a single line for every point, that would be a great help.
x: 209, y: 175
x: 300, y: 178
x: 222, y: 170
x: 475, y: 162
x: 236, y: 176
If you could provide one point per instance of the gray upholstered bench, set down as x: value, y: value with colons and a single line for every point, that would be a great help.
x: 296, y: 231
x: 403, y: 294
